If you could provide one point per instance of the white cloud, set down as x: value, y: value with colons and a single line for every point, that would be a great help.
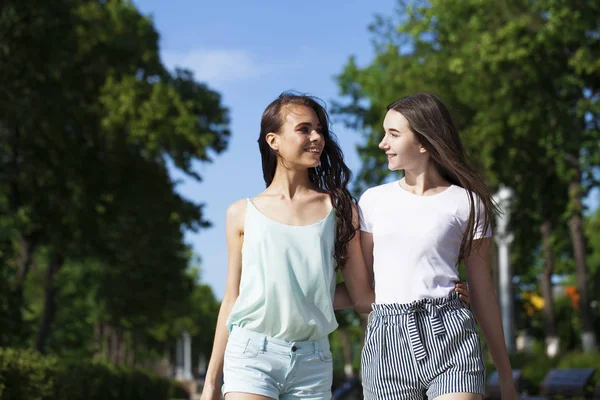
x: 215, y: 65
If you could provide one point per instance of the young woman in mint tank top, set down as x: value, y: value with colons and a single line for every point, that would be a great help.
x: 284, y: 247
x: 420, y: 341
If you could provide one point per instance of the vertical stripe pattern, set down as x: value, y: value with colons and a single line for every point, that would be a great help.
x: 426, y: 348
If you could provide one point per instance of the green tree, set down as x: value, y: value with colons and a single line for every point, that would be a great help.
x: 522, y: 81
x: 85, y: 124
x: 592, y: 229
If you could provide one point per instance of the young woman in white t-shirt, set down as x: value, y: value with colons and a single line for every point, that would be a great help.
x: 421, y: 341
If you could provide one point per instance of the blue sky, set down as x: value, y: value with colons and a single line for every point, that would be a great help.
x: 250, y: 52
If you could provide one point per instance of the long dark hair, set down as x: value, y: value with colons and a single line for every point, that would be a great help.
x: 331, y: 176
x: 432, y: 125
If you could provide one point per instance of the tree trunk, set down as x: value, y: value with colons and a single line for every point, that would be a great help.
x: 131, y: 349
x: 54, y: 265
x: 552, y: 341
x: 114, y: 346
x: 588, y: 336
x: 122, y: 347
x: 27, y: 247
x: 165, y: 366
x: 27, y: 243
x: 106, y: 335
x: 97, y: 342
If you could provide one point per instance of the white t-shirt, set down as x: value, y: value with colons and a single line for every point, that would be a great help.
x: 416, y: 240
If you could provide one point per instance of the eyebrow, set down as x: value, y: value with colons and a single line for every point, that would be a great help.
x: 394, y: 130
x: 306, y: 123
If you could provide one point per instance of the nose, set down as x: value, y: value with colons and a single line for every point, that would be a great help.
x: 315, y: 136
x: 383, y: 144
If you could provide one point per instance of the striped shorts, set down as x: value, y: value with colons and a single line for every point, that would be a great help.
x: 426, y: 348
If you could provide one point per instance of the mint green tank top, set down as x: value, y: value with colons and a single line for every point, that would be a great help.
x: 288, y: 278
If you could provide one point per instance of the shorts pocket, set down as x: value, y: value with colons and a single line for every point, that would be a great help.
x: 462, y: 320
x: 326, y: 356
x: 469, y: 321
x: 241, y: 349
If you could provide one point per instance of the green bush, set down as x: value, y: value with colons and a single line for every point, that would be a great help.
x: 179, y: 392
x: 581, y: 360
x: 102, y: 381
x: 535, y: 366
x: 27, y: 375
x: 85, y: 380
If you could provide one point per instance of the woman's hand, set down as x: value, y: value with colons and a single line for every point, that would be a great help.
x: 463, y: 292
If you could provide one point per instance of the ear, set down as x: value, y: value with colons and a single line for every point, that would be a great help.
x: 272, y: 140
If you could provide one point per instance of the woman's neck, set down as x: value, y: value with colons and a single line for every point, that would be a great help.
x: 289, y: 182
x: 423, y: 182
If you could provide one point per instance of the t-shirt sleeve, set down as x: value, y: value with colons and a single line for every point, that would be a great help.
x: 480, y: 231
x: 364, y: 207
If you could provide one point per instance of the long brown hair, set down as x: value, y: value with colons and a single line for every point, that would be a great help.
x: 332, y: 175
x: 432, y: 125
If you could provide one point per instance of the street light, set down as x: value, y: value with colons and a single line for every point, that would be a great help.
x: 503, y: 239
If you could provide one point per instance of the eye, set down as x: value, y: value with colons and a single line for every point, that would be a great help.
x: 304, y: 129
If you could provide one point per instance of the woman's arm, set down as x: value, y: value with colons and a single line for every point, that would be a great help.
x: 235, y: 235
x: 342, y: 298
x: 366, y: 246
x: 357, y: 285
x: 486, y: 310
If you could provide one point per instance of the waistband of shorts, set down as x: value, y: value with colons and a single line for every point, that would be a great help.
x: 450, y: 301
x: 266, y: 343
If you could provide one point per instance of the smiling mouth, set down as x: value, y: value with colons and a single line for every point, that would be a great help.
x: 314, y: 151
x: 391, y: 156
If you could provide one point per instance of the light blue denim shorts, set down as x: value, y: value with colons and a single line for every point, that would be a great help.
x: 257, y: 364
